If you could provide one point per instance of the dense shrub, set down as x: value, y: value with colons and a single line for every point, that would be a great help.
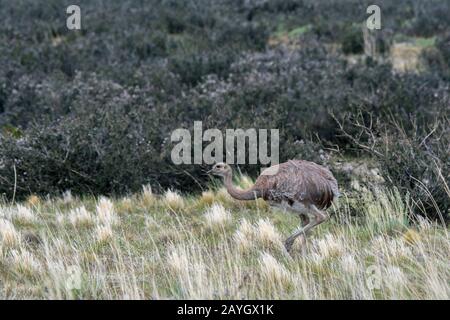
x: 353, y: 41
x: 103, y: 137
x: 93, y: 110
x: 419, y: 165
x: 428, y: 17
x: 416, y: 160
x: 437, y: 58
x: 443, y: 45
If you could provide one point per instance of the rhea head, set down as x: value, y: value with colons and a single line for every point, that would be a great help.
x: 220, y: 169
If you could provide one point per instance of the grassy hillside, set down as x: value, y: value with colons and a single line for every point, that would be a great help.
x: 93, y: 111
x: 211, y: 246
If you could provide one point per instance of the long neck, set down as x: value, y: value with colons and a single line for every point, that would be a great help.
x: 236, y: 193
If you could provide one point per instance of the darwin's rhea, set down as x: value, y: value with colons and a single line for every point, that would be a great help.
x: 302, y: 187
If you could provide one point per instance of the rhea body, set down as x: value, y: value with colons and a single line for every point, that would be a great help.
x: 302, y: 187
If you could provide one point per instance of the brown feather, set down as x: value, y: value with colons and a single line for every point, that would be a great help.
x: 298, y: 180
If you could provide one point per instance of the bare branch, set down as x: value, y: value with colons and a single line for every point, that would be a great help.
x: 364, y: 130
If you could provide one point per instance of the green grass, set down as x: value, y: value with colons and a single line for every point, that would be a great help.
x: 151, y: 246
x: 425, y: 42
x: 299, y: 31
x: 292, y: 33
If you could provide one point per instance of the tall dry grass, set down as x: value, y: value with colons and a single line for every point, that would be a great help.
x: 207, y: 247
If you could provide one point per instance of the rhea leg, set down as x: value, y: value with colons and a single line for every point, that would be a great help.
x: 314, y: 218
x: 304, y: 222
x: 303, y: 212
x: 298, y: 233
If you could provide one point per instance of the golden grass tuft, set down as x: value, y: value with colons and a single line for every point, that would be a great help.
x: 217, y: 216
x: 207, y: 198
x: 106, y: 213
x: 266, y: 233
x: 126, y: 205
x: 81, y: 217
x: 262, y: 205
x: 104, y: 233
x: 272, y: 271
x: 243, y: 243
x: 178, y: 261
x: 173, y: 200
x: 24, y: 215
x: 8, y: 234
x: 33, y: 200
x: 329, y: 246
x: 411, y: 237
x: 406, y: 57
x: 148, y: 199
x: 263, y: 232
x: 24, y: 262
x: 243, y: 237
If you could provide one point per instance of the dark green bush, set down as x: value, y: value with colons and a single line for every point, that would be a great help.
x: 102, y: 137
x: 443, y: 45
x: 430, y: 18
x: 419, y: 164
x: 93, y: 110
x: 353, y: 41
x: 437, y: 58
x: 415, y: 160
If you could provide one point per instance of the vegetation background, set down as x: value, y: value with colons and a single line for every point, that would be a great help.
x: 89, y: 113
